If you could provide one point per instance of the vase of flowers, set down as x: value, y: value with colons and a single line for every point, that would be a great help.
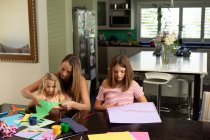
x: 167, y: 41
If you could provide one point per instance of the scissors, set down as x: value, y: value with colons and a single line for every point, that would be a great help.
x: 14, y: 109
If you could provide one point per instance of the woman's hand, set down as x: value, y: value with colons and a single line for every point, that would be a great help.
x: 67, y: 105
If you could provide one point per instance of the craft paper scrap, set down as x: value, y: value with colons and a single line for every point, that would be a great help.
x: 10, y: 120
x: 111, y: 136
x: 45, y: 108
x: 41, y: 123
x: 25, y: 118
x: 144, y: 112
x: 140, y: 135
x: 28, y: 133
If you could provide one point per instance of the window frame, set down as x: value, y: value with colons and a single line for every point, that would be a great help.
x: 179, y: 5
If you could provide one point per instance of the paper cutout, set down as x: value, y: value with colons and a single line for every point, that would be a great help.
x: 44, y: 110
x: 25, y: 134
x: 111, y: 136
x: 144, y: 112
x: 40, y: 124
x: 25, y: 118
x: 10, y: 120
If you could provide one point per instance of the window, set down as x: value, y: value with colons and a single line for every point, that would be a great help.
x: 170, y: 20
x: 149, y: 23
x: 191, y: 23
x: 207, y: 23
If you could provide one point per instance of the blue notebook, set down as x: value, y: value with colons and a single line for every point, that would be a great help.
x: 77, y: 128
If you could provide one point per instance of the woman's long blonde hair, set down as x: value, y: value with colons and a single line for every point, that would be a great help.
x: 72, y: 86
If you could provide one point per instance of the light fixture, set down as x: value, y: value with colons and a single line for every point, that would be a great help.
x: 172, y: 3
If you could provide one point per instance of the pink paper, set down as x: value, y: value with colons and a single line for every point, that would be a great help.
x: 140, y: 135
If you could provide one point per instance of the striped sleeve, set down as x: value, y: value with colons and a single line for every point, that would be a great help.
x: 137, y: 90
x: 100, y: 95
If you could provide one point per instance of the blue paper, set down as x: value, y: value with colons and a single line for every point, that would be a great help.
x: 10, y: 120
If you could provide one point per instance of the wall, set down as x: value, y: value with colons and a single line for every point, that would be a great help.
x: 15, y: 76
x: 59, y: 31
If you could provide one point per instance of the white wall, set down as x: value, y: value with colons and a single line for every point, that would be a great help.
x: 15, y: 76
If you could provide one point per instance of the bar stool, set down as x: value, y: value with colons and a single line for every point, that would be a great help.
x: 186, y: 107
x: 159, y: 79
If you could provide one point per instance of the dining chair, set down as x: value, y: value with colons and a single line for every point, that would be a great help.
x: 159, y: 79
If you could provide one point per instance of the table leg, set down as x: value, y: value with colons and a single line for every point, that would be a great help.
x: 197, y: 92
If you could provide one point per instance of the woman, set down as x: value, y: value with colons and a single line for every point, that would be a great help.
x: 72, y: 83
x: 119, y: 88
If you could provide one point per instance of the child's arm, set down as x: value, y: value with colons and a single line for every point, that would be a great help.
x: 100, y: 106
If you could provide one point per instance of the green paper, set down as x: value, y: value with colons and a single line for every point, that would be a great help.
x: 44, y: 110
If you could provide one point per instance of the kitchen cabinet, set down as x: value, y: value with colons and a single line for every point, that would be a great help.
x: 103, y: 14
x: 111, y: 11
x: 106, y: 53
x: 102, y: 62
x: 128, y: 51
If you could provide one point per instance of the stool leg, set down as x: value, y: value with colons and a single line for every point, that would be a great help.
x: 158, y: 98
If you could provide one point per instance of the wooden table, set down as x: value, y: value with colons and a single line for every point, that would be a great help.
x: 169, y: 129
x: 195, y: 65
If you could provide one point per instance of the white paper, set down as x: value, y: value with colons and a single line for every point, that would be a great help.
x: 145, y: 112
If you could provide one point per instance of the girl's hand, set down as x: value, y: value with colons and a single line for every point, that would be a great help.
x: 67, y: 105
x: 112, y: 105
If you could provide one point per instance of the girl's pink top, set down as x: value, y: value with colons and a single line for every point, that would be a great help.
x: 112, y: 96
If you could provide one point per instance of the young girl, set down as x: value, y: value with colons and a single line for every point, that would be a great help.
x: 119, y: 88
x: 50, y: 90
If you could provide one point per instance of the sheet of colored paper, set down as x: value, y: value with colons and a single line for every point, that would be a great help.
x: 45, y: 108
x: 140, y: 135
x: 25, y: 118
x: 111, y: 136
x: 134, y: 113
x: 40, y: 124
x: 10, y: 120
x: 28, y: 133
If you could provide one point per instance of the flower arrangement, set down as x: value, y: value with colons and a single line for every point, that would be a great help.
x: 167, y: 39
x: 167, y: 43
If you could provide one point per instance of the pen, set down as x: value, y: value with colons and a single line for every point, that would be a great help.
x: 3, y: 113
x: 74, y: 116
x: 88, y: 115
x: 34, y: 136
x: 63, y: 138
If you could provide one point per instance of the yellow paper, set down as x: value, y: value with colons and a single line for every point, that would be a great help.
x: 111, y: 136
x: 25, y: 117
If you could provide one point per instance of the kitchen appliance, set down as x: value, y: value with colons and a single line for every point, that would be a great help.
x: 120, y: 21
x: 84, y: 27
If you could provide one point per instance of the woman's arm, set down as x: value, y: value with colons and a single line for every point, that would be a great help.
x: 27, y: 92
x: 84, y: 104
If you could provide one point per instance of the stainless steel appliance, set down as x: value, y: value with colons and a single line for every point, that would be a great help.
x: 84, y: 24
